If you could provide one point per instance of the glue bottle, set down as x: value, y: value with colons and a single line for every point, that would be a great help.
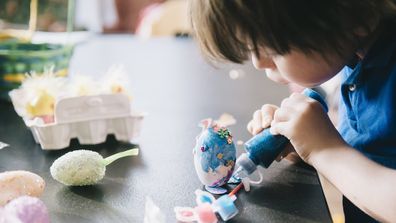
x: 264, y: 147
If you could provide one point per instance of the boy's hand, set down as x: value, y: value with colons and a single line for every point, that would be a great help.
x: 261, y: 120
x: 304, y: 122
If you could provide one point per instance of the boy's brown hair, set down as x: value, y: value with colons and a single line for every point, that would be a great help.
x: 232, y: 29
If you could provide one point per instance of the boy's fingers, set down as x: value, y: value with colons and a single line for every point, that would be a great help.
x: 256, y: 124
x: 250, y: 127
x: 282, y: 115
x: 257, y: 129
x: 261, y: 119
x: 278, y: 128
x: 267, y: 113
x: 253, y: 127
x: 257, y: 116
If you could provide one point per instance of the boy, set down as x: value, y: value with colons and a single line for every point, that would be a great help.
x: 308, y: 42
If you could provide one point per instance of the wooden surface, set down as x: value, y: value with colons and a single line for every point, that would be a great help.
x: 334, y: 200
x: 177, y: 88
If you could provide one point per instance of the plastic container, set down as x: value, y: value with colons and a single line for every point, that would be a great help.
x: 89, y: 119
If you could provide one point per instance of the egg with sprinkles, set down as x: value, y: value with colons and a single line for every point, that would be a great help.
x: 214, y: 156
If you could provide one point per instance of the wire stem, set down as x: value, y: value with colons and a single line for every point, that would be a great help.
x: 112, y: 158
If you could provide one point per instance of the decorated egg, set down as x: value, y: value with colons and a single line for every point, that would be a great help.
x: 84, y: 167
x: 214, y: 155
x: 17, y: 183
x: 28, y: 210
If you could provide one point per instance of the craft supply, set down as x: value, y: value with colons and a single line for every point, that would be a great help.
x: 263, y: 148
x: 225, y: 206
x: 246, y: 184
x: 116, y: 81
x: 225, y: 120
x: 205, y: 213
x: 28, y: 210
x: 3, y: 145
x: 37, y: 95
x: 236, y: 189
x: 207, y: 206
x: 214, y: 156
x: 153, y: 213
x: 6, y: 217
x: 83, y: 85
x: 84, y: 167
x: 14, y: 184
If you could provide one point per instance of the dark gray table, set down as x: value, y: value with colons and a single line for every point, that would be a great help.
x: 172, y: 82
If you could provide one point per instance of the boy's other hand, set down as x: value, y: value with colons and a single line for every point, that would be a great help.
x: 262, y: 119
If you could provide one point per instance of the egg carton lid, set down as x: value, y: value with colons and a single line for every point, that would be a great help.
x: 86, y: 108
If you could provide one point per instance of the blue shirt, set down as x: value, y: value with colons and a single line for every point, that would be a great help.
x: 368, y: 107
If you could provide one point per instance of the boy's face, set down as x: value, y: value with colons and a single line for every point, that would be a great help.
x: 307, y: 70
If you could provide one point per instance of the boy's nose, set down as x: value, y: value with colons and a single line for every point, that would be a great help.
x: 262, y: 62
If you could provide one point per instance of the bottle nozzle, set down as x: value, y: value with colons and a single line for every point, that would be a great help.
x: 239, y: 173
x: 245, y: 166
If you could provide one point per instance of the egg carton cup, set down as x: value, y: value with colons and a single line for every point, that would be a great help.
x: 89, y: 119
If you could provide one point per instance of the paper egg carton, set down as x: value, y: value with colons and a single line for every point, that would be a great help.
x: 89, y: 119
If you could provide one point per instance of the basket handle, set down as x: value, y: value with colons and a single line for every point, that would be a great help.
x: 34, y: 13
x: 70, y: 15
x: 33, y: 17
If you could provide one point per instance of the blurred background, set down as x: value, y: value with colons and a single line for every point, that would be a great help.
x: 146, y: 17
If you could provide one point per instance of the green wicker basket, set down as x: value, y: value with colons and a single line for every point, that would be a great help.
x: 18, y: 56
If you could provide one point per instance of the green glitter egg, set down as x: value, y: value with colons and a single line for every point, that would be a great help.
x: 84, y: 167
x: 78, y: 168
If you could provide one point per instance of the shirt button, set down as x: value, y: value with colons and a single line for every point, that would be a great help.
x: 352, y: 87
